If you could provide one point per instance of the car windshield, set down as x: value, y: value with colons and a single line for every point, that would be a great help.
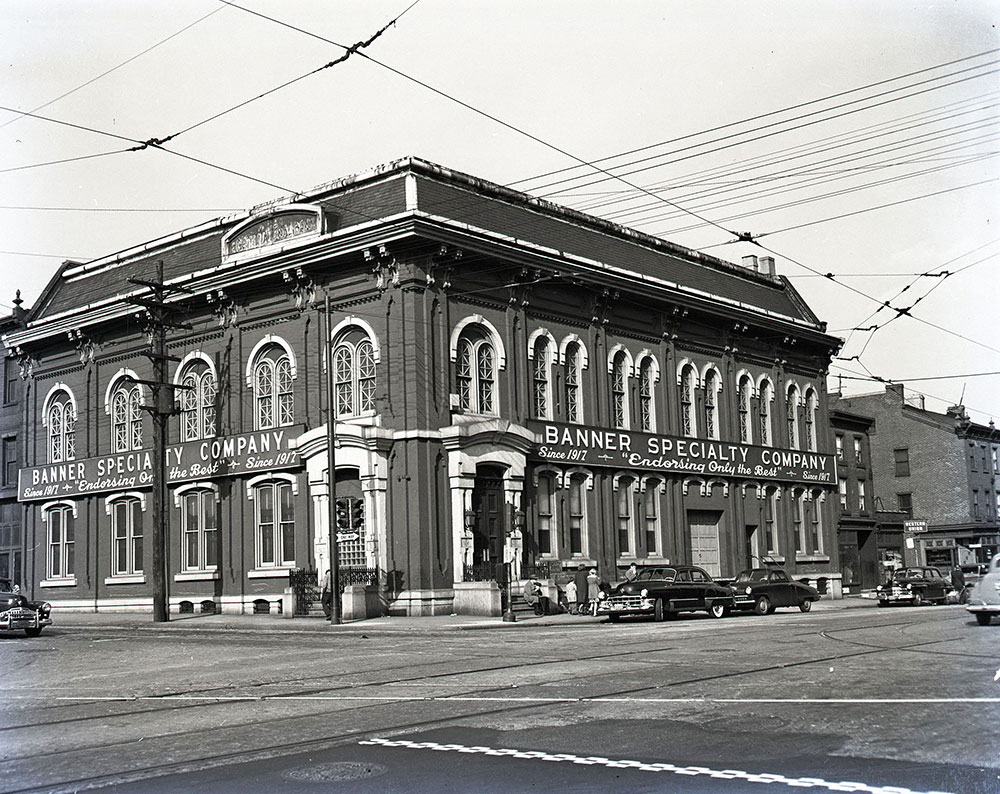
x: 756, y: 575
x: 664, y: 574
x: 915, y: 573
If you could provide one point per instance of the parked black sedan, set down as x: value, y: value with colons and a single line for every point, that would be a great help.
x: 663, y: 591
x: 915, y: 586
x: 765, y: 589
x: 18, y: 613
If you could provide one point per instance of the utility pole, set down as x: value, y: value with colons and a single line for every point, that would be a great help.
x: 331, y: 474
x: 157, y: 315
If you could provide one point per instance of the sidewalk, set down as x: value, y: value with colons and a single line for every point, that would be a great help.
x: 142, y: 621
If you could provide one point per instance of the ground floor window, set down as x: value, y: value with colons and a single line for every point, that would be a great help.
x: 59, y: 563
x: 200, y: 529
x: 274, y: 510
x: 10, y: 553
x: 126, y: 536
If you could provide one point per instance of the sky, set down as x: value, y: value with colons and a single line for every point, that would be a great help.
x: 855, y: 138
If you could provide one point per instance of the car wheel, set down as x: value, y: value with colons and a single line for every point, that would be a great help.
x: 659, y: 610
x: 613, y: 618
x: 918, y: 599
x: 33, y: 632
x: 805, y: 606
x: 882, y: 603
x: 983, y: 618
x: 762, y: 606
x: 717, y: 610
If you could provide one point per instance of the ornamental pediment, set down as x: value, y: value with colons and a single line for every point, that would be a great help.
x: 292, y: 224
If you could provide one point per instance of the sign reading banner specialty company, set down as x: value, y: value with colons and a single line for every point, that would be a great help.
x: 595, y: 446
x: 265, y: 450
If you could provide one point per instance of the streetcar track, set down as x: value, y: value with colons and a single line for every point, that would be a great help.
x: 634, y: 648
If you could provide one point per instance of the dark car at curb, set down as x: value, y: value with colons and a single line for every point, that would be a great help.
x: 663, y: 591
x: 915, y: 585
x: 17, y: 613
x: 765, y: 589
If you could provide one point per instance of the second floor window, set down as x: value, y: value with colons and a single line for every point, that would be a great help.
x: 647, y: 415
x: 540, y: 379
x: 904, y: 503
x: 711, y: 404
x: 126, y: 417
x: 571, y: 372
x: 619, y: 391
x: 354, y: 373
x: 811, y: 408
x: 902, y: 462
x: 61, y: 420
x: 842, y: 488
x: 272, y: 389
x: 689, y: 426
x: 766, y: 395
x: 862, y: 506
x: 197, y: 401
x: 745, y: 392
x: 792, y: 413
x: 475, y: 373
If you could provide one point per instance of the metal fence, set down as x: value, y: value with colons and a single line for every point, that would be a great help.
x: 308, y: 592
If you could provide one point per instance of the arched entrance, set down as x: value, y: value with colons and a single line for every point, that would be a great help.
x: 488, y: 528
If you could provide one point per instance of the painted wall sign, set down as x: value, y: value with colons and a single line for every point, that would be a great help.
x: 249, y: 453
x: 625, y: 449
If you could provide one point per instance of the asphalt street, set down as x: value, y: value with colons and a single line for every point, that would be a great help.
x: 846, y: 698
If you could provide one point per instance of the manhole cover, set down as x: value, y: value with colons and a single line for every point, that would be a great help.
x: 338, y: 770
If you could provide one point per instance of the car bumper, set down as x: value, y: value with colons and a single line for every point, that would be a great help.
x: 635, y: 605
x: 983, y: 607
x: 15, y: 620
x: 897, y: 598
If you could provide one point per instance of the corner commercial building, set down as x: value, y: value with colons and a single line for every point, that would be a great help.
x: 518, y: 388
x: 937, y: 468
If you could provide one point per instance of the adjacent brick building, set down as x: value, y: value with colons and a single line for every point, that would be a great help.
x: 938, y: 468
x: 11, y: 541
x: 516, y: 386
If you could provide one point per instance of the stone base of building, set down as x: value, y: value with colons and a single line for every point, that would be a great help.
x: 477, y: 598
x: 421, y: 603
x: 830, y: 585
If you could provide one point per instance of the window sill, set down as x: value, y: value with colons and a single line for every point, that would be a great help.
x: 126, y: 579
x: 269, y: 573
x: 68, y: 582
x: 812, y: 558
x: 777, y: 558
x: 196, y: 576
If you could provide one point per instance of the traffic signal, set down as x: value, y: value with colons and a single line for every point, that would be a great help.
x: 343, y: 515
x: 357, y: 514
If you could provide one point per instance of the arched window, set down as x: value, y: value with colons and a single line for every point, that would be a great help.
x: 272, y: 388
x: 711, y: 404
x: 766, y: 394
x: 197, y: 400
x: 625, y: 517
x: 792, y: 416
x: 274, y: 517
x: 59, y: 558
x: 61, y: 422
x: 354, y: 373
x: 647, y: 410
x: 126, y: 416
x: 545, y: 505
x: 572, y: 362
x: 689, y: 426
x: 811, y: 406
x: 541, y: 374
x: 745, y: 392
x: 619, y: 390
x: 200, y: 527
x: 476, y: 371
x: 126, y: 536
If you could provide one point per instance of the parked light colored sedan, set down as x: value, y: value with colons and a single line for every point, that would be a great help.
x: 984, y: 600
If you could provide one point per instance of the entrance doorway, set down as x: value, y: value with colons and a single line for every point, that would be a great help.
x: 488, y: 531
x: 752, y: 548
x: 704, y: 528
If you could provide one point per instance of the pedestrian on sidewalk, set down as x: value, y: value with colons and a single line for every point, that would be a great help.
x: 593, y: 590
x: 580, y: 579
x: 326, y: 594
x: 571, y: 602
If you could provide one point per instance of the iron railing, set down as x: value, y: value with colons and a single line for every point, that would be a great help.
x: 308, y: 591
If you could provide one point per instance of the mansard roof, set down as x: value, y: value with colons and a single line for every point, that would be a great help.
x: 415, y: 197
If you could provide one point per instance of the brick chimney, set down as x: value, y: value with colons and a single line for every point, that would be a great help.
x: 767, y: 265
x: 750, y: 263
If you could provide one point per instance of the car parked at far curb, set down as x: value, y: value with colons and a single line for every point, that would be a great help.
x: 663, y: 591
x: 915, y: 586
x: 984, y: 600
x: 17, y: 613
x: 765, y: 589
